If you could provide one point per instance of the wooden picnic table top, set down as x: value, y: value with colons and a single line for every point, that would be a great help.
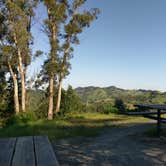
x: 152, y: 106
x: 27, y: 151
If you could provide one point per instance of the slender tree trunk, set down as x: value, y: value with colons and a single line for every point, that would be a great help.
x: 15, y: 96
x: 51, y: 97
x: 53, y: 52
x: 58, y: 103
x: 22, y: 75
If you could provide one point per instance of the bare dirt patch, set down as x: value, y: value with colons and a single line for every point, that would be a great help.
x: 119, y: 146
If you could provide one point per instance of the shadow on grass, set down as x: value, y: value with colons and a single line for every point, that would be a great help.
x: 66, y: 127
x: 56, y: 129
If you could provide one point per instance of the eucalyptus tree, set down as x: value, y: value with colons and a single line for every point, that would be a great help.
x: 15, y: 43
x: 76, y: 22
x: 9, y: 62
x: 19, y: 13
x: 8, y: 59
x: 56, y: 11
x: 64, y: 22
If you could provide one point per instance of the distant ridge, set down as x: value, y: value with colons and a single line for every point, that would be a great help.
x: 110, y: 93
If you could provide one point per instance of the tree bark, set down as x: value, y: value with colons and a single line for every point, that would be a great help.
x: 15, y: 83
x: 51, y: 97
x: 53, y: 39
x: 58, y: 103
x: 22, y: 75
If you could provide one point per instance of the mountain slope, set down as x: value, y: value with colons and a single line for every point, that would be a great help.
x: 97, y: 94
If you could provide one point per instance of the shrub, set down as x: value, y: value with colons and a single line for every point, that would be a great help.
x: 119, y: 104
x: 109, y: 109
x: 41, y: 111
x: 21, y: 119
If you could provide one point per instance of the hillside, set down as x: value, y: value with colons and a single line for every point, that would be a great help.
x: 96, y: 94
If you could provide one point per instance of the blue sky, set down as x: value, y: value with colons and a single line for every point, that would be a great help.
x: 125, y: 47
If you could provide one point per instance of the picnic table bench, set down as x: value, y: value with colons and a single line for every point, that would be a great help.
x: 27, y: 151
x: 158, y: 110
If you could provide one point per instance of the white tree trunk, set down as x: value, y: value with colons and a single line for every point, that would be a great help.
x: 22, y: 75
x: 51, y: 97
x: 15, y: 96
x: 58, y: 104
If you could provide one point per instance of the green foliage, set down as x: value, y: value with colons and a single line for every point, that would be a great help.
x: 41, y: 111
x: 119, y: 104
x: 21, y: 119
x: 101, y: 107
x: 108, y: 108
x: 94, y: 95
x: 3, y: 91
x: 65, y: 21
x: 81, y: 124
x: 37, y: 102
x: 70, y: 103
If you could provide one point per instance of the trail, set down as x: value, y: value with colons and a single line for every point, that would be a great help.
x: 117, y: 146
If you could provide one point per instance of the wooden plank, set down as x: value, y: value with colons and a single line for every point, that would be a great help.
x: 158, y: 122
x: 163, y: 120
x: 45, y: 155
x: 145, y: 113
x: 24, y: 152
x: 152, y: 106
x: 7, y: 147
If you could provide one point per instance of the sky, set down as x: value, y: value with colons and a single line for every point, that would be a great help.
x: 124, y: 47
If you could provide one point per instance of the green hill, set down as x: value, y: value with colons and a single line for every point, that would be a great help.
x: 97, y: 94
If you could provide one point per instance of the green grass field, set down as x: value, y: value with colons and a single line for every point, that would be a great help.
x: 86, y: 124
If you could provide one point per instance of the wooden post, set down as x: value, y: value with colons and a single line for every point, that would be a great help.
x: 158, y: 122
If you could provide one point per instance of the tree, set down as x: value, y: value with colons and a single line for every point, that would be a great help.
x: 3, y: 88
x: 19, y: 15
x: 76, y: 22
x: 70, y: 102
x: 8, y: 58
x: 73, y: 102
x: 63, y: 25
x: 8, y: 61
x: 119, y: 104
x: 56, y: 11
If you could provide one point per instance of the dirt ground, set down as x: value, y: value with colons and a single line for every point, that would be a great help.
x: 117, y: 146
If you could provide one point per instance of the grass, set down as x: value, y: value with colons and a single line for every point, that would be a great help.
x: 85, y: 124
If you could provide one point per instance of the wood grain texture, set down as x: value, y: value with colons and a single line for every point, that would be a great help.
x: 6, y: 151
x: 24, y: 152
x: 45, y: 155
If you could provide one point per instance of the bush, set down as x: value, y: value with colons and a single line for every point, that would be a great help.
x: 70, y: 102
x: 41, y: 111
x: 119, y: 104
x: 108, y: 108
x: 101, y: 107
x: 21, y: 119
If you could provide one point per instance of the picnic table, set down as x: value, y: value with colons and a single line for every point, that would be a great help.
x: 27, y: 151
x: 153, y: 111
